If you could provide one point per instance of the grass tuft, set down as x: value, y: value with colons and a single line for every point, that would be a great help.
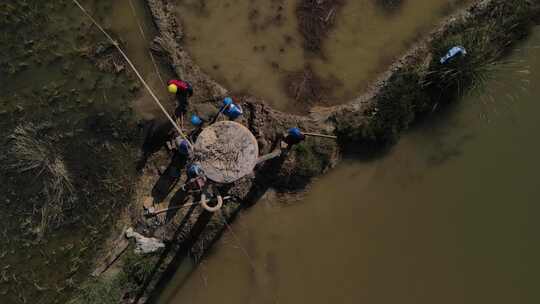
x: 31, y: 152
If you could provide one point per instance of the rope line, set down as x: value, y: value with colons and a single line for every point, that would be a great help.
x: 143, y: 35
x: 244, y: 251
x: 237, y: 239
x: 134, y: 11
x: 115, y: 43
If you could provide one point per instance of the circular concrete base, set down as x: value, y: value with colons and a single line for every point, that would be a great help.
x: 226, y: 151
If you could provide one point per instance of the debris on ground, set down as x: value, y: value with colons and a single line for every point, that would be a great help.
x: 144, y: 244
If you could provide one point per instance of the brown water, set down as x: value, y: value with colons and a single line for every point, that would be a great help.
x: 251, y: 46
x: 447, y: 216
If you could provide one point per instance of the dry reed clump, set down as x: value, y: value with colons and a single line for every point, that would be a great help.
x: 29, y: 151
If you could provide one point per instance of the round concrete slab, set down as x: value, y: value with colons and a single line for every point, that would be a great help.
x: 226, y: 151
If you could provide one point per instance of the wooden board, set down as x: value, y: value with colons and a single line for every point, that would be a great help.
x: 226, y: 151
x: 120, y: 246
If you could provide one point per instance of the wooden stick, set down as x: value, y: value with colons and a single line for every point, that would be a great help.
x: 120, y: 246
x: 269, y: 156
x: 320, y: 135
x: 156, y: 212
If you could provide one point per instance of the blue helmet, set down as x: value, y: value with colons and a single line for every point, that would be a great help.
x: 295, y: 133
x: 196, y: 120
x: 233, y: 111
x: 227, y: 101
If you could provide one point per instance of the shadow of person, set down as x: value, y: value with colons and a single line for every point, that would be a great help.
x: 156, y: 134
x: 179, y: 257
x: 169, y: 178
x: 163, y: 256
x: 178, y: 200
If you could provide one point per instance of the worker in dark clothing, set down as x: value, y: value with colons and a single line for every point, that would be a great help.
x: 183, y: 91
x: 293, y: 137
x: 196, y: 179
x: 231, y: 109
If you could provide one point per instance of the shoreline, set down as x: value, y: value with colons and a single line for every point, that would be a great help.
x: 373, y: 120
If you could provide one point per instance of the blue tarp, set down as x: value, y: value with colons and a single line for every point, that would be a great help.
x: 453, y: 52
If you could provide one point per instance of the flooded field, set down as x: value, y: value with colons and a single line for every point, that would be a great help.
x: 255, y: 47
x: 447, y: 216
x: 55, y: 75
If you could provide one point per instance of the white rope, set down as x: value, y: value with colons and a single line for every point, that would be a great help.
x: 143, y: 35
x: 115, y: 43
x: 134, y: 11
x: 237, y: 240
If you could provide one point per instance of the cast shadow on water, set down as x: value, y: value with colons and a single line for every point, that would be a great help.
x: 435, y: 130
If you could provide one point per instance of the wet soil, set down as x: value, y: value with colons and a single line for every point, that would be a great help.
x: 315, y: 19
x: 58, y: 72
x: 307, y: 88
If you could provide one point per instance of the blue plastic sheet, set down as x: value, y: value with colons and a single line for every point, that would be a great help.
x: 452, y: 53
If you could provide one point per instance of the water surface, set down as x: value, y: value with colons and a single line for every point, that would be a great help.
x: 447, y: 216
x: 253, y: 46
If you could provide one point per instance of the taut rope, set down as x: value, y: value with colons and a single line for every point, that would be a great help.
x: 115, y: 43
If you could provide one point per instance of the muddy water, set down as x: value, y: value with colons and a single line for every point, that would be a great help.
x: 251, y: 46
x: 369, y: 36
x: 447, y: 216
x: 246, y: 45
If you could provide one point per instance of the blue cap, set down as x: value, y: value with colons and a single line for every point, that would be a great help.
x: 227, y: 101
x: 196, y: 120
x: 295, y: 132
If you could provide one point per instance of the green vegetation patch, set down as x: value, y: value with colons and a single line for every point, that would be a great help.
x: 416, y: 90
x: 313, y: 156
x: 68, y: 148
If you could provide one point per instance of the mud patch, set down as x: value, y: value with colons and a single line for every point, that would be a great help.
x: 315, y: 19
x: 389, y: 6
x: 260, y: 21
x: 308, y: 88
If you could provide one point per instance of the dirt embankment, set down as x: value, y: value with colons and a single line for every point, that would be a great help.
x: 421, y: 59
x: 411, y: 87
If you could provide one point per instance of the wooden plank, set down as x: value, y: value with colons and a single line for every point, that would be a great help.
x: 269, y: 156
x: 119, y: 247
x: 320, y: 135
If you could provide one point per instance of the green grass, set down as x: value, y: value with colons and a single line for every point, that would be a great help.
x: 111, y: 290
x: 486, y: 43
x: 30, y: 151
x: 103, y: 291
x: 135, y: 270
x: 313, y: 156
x: 415, y: 90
